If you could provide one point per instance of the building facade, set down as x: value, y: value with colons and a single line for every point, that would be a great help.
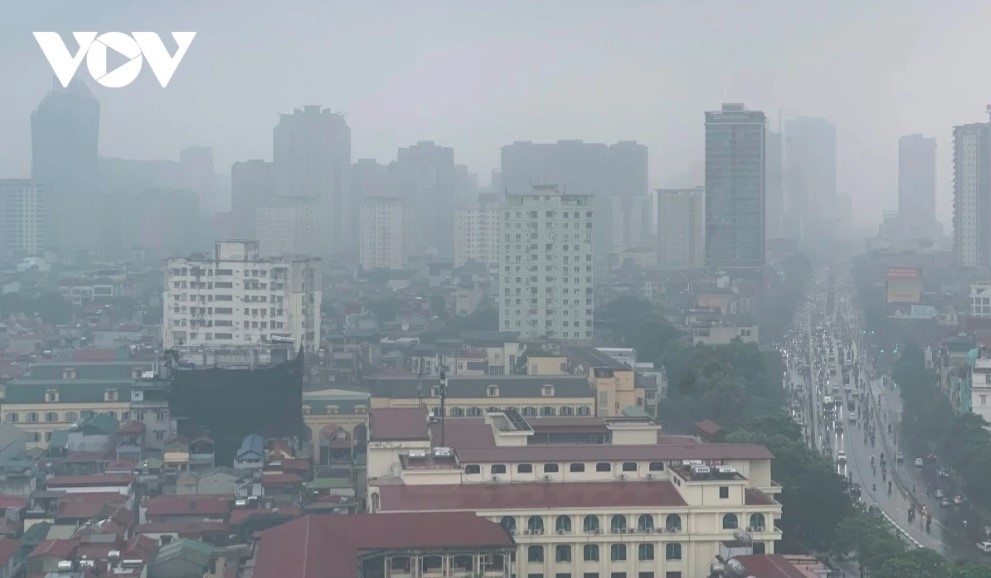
x: 917, y: 185
x: 546, y: 264
x: 774, y: 196
x: 972, y: 194
x: 252, y: 186
x: 734, y: 187
x: 234, y: 297
x: 476, y: 231
x: 423, y: 176
x: 382, y: 234
x: 24, y: 217
x: 681, y: 228
x: 810, y: 175
x: 288, y: 227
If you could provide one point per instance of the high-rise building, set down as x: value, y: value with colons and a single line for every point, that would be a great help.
x: 252, y: 186
x: 734, y: 187
x: 312, y: 157
x: 24, y: 217
x: 476, y: 231
x: 65, y: 135
x: 681, y: 228
x: 423, y: 176
x: 382, y: 234
x: 196, y: 163
x: 287, y: 227
x: 810, y: 177
x: 213, y: 299
x: 369, y: 178
x: 972, y: 194
x: 774, y: 197
x: 546, y: 264
x: 917, y: 185
x: 583, y: 168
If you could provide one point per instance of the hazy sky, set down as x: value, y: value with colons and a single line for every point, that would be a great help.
x: 476, y: 75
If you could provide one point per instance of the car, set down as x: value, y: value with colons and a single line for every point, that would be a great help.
x: 919, y: 463
x: 958, y: 500
x: 984, y: 547
x: 841, y: 457
x: 939, y: 494
x: 946, y: 502
x: 899, y: 457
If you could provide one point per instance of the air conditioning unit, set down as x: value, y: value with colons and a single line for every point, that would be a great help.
x: 495, y: 478
x: 598, y: 530
x: 650, y: 476
x: 539, y: 532
x: 547, y: 478
x: 621, y: 477
x: 631, y: 531
x: 512, y: 531
x: 527, y: 532
x: 562, y: 531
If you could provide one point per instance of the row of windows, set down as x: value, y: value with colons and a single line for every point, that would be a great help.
x: 618, y: 524
x: 583, y: 410
x: 577, y: 467
x: 591, y: 552
x: 72, y: 417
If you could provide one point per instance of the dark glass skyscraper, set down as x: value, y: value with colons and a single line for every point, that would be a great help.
x: 734, y: 187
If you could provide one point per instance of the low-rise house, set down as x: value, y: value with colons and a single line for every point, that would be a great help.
x: 181, y: 559
x: 187, y: 508
x: 216, y: 481
x: 99, y: 483
x: 251, y: 454
x: 215, y: 533
x: 11, y: 557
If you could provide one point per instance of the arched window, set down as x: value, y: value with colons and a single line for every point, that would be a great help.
x: 535, y: 524
x: 645, y: 552
x: 33, y: 417
x: 645, y: 523
x: 529, y: 411
x: 757, y: 522
x: 566, y: 410
x: 584, y: 410
x: 562, y: 553
x: 617, y: 552
x: 547, y: 411
x: 591, y: 524
x: 508, y: 523
x: 672, y: 552
x: 71, y: 416
x: 591, y: 552
x: 730, y: 522
x: 51, y: 416
x: 672, y: 523
x: 457, y: 412
x: 535, y: 554
x: 112, y: 414
x: 474, y: 411
x: 11, y: 417
x: 618, y: 524
x: 563, y: 525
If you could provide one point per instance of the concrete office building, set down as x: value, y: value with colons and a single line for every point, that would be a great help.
x: 234, y: 297
x: 382, y: 234
x: 774, y: 196
x: 681, y: 228
x: 734, y: 187
x: 24, y: 217
x: 312, y: 157
x: 252, y: 186
x: 476, y: 231
x: 917, y: 186
x: 423, y: 176
x: 972, y: 194
x: 288, y: 227
x: 810, y: 177
x: 546, y: 265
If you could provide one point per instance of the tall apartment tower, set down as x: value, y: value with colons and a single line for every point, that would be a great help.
x: 312, y: 157
x: 288, y: 227
x: 734, y: 187
x: 681, y: 228
x: 65, y: 136
x: 382, y: 234
x: 423, y: 176
x: 252, y: 186
x: 972, y: 194
x: 216, y: 299
x: 196, y: 164
x: 774, y: 196
x: 546, y: 265
x: 810, y: 176
x: 476, y: 231
x: 23, y: 217
x: 917, y: 185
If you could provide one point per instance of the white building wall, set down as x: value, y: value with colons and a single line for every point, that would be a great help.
x: 546, y: 265
x: 23, y: 216
x: 476, y: 234
x: 288, y: 229
x: 382, y: 235
x: 681, y: 227
x: 968, y: 192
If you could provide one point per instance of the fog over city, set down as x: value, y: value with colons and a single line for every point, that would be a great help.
x: 478, y: 75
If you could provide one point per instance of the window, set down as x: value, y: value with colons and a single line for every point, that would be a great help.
x: 584, y: 410
x: 498, y: 468
x: 551, y: 468
x: 51, y: 416
x: 493, y: 391
x: 563, y: 525
x: 672, y: 523
x: 535, y: 524
x: 32, y: 417
x: 508, y: 523
x: 51, y: 395
x: 645, y: 552
x: 457, y: 412
x: 473, y: 469
x: 629, y: 466
x: 591, y: 524
x: 474, y: 411
x: 567, y: 410
x: 645, y: 575
x: 757, y: 522
x: 10, y: 417
x: 591, y: 552
x: 645, y: 523
x: 672, y: 552
x: 562, y: 553
x: 618, y: 524
x: 535, y: 554
x: 617, y: 552
x: 730, y: 522
x: 110, y: 395
x: 524, y: 469
x: 656, y: 467
x: 603, y: 467
x: 576, y: 468
x: 723, y: 492
x: 547, y: 390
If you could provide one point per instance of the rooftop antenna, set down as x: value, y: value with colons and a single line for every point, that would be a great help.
x: 419, y: 386
x: 443, y: 400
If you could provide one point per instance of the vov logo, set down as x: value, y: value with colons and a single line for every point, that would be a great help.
x: 136, y: 48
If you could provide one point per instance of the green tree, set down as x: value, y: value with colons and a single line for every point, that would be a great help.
x: 917, y: 563
x: 970, y: 570
x: 482, y: 319
x: 868, y: 539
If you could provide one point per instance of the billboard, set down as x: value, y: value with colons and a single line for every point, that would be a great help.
x: 904, y: 285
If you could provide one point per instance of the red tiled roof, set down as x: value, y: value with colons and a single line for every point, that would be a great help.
x: 61, y: 549
x: 240, y: 515
x: 770, y: 566
x: 91, y: 355
x: 708, y: 426
x: 8, y: 547
x: 188, y: 505
x: 307, y: 547
x: 281, y: 479
x: 753, y: 497
x: 184, y: 528
x: 529, y: 496
x: 613, y: 453
x: 132, y: 428
x: 120, y: 467
x: 295, y: 465
x: 85, y: 506
x: 12, y: 502
x: 90, y: 481
x: 140, y: 548
x: 398, y: 423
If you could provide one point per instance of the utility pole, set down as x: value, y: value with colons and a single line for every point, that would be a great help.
x: 443, y: 409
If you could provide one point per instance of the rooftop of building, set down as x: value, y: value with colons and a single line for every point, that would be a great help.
x: 468, y: 387
x: 308, y: 547
x: 592, y: 357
